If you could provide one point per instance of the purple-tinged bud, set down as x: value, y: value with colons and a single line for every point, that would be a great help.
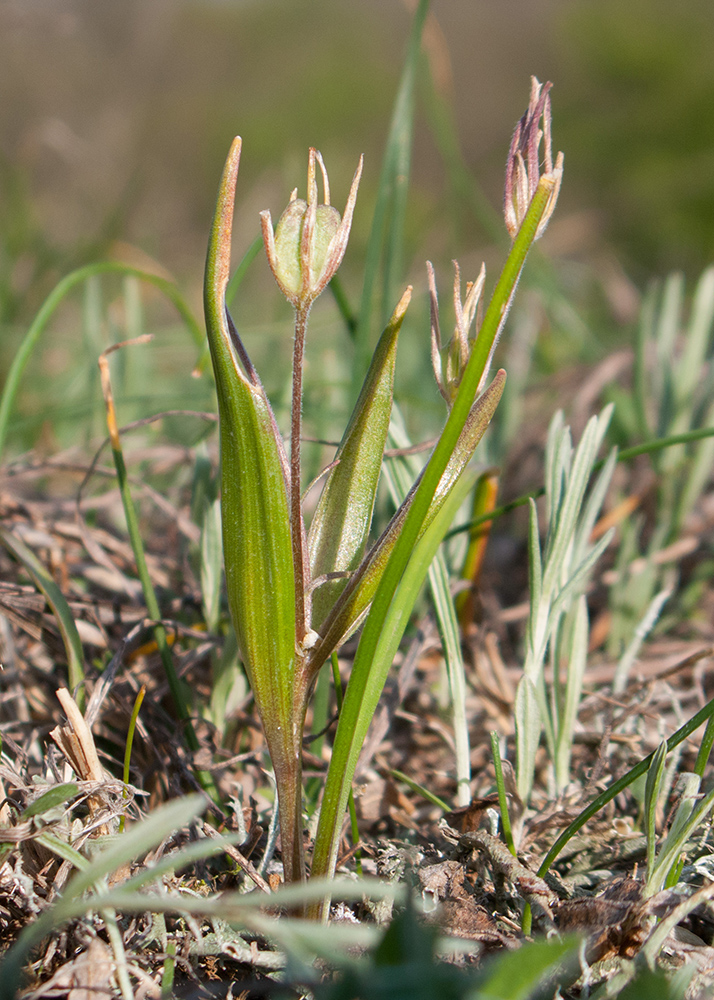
x: 310, y: 239
x: 523, y: 168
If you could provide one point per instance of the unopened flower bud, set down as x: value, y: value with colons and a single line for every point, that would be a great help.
x: 310, y: 239
x: 449, y: 368
x: 523, y: 169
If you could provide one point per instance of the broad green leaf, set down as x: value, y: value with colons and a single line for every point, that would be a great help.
x: 256, y: 529
x: 257, y: 550
x: 355, y: 599
x: 342, y: 519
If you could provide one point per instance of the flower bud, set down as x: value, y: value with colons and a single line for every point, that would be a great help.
x: 523, y: 165
x: 449, y: 368
x: 310, y: 239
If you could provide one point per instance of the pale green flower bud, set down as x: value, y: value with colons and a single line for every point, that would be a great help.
x: 310, y: 239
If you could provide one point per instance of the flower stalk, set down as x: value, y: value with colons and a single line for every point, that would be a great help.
x: 295, y: 596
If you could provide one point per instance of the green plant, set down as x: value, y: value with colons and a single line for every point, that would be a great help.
x: 295, y: 595
x: 672, y: 396
x: 558, y: 619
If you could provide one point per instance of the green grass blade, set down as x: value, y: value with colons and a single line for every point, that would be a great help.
x: 388, y: 219
x: 399, y: 482
x: 55, y: 598
x: 365, y: 687
x: 61, y: 290
x: 236, y: 279
x: 702, y: 716
x: 502, y: 797
x: 140, y: 839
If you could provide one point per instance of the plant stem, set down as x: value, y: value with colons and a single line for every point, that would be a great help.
x: 296, y: 522
x: 502, y: 798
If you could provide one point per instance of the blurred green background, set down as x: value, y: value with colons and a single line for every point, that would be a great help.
x: 115, y: 117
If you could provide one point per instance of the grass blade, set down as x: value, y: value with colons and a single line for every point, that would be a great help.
x: 56, y: 600
x: 60, y: 292
x: 388, y: 219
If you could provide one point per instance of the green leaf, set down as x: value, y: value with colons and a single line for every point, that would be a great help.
x: 529, y: 720
x: 260, y: 576
x: 256, y: 528
x: 55, y: 598
x: 342, y: 519
x: 56, y: 796
x: 516, y: 975
x: 390, y: 209
x: 367, y: 682
x: 355, y: 599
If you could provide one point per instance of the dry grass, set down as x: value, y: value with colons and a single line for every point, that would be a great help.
x: 595, y: 890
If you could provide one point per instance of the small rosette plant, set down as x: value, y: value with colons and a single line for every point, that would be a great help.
x: 296, y: 594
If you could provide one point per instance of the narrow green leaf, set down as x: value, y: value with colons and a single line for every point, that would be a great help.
x: 355, y: 599
x: 535, y: 572
x: 577, y: 660
x: 703, y: 715
x: 56, y: 600
x: 528, y: 718
x: 367, y: 682
x: 56, y: 796
x: 49, y: 307
x: 388, y: 219
x: 342, y: 519
x: 691, y: 364
x: 677, y: 840
x: 399, y: 476
x: 129, y: 846
x: 211, y: 563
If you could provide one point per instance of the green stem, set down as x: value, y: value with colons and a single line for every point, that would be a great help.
x: 130, y: 742
x: 502, y: 799
x: 354, y: 826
